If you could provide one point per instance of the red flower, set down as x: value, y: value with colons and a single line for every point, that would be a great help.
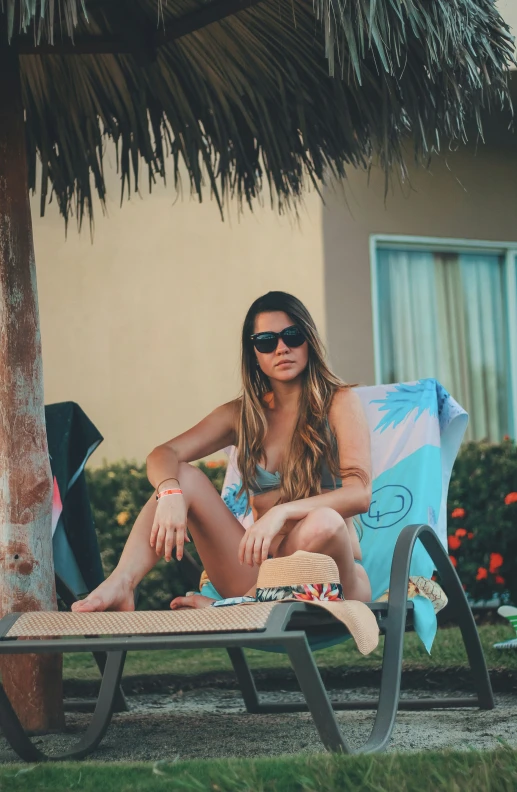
x: 500, y: 580
x: 454, y: 542
x: 470, y: 535
x: 506, y: 437
x: 482, y: 574
x: 461, y: 532
x: 458, y: 513
x: 496, y: 560
x: 453, y: 561
x: 511, y: 498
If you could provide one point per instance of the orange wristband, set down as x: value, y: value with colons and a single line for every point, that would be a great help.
x: 169, y: 492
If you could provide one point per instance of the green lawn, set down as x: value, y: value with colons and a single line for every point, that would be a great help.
x: 494, y: 771
x: 447, y: 651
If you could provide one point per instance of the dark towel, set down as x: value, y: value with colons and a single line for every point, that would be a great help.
x: 72, y: 438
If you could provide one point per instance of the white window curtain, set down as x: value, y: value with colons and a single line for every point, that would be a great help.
x: 443, y: 315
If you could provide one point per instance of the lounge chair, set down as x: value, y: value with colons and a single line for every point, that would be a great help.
x: 416, y: 432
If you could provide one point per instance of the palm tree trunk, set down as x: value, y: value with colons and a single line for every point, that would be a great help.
x: 26, y: 568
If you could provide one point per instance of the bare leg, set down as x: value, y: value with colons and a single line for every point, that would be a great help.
x: 325, y: 531
x: 214, y: 529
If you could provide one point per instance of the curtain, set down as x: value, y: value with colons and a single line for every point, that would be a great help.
x: 443, y: 315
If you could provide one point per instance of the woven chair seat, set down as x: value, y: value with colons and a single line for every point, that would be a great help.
x: 53, y: 624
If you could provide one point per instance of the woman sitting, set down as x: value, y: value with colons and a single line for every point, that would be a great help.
x: 303, y: 450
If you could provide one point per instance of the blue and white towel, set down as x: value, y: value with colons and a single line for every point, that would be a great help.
x: 416, y: 432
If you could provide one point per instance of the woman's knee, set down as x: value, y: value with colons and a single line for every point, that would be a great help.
x: 189, y: 475
x: 186, y: 471
x: 324, y: 526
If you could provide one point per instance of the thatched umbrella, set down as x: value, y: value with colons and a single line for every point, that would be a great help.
x: 248, y: 94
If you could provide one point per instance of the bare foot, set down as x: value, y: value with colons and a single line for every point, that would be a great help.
x: 193, y: 601
x: 115, y: 594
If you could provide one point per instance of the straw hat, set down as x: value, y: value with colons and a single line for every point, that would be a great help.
x: 314, y: 578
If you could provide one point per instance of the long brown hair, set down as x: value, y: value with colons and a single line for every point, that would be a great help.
x: 312, y: 442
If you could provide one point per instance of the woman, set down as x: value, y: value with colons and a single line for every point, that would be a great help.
x: 303, y: 449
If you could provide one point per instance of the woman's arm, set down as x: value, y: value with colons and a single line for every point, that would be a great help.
x: 214, y: 432
x: 351, y: 499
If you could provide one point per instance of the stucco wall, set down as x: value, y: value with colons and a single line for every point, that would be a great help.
x: 466, y: 195
x: 508, y: 10
x: 142, y: 327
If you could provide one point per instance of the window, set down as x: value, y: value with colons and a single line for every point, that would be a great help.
x: 448, y: 309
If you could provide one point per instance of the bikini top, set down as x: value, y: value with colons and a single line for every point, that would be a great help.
x: 265, y: 480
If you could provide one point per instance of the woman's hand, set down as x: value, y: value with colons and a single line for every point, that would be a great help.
x: 170, y: 526
x: 255, y: 544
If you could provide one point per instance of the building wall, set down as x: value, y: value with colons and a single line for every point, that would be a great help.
x: 467, y: 195
x: 508, y: 10
x: 142, y: 326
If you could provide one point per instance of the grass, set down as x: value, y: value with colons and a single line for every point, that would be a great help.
x: 491, y: 771
x: 447, y: 651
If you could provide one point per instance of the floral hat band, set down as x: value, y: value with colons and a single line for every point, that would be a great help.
x: 293, y: 579
x: 327, y: 592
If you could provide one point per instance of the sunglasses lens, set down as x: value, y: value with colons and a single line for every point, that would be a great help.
x: 293, y: 337
x: 265, y: 342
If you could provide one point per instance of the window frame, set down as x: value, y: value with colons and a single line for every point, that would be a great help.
x: 506, y: 249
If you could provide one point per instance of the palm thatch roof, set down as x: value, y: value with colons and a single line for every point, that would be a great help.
x: 248, y: 93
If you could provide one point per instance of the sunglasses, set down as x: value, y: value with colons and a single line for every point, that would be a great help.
x: 267, y: 342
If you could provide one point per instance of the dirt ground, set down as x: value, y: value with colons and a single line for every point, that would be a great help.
x: 211, y: 722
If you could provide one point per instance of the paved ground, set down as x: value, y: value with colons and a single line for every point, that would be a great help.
x: 206, y: 723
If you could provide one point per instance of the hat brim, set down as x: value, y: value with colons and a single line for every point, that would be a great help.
x: 357, y: 617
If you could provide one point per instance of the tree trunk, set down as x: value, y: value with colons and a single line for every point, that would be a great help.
x: 33, y: 683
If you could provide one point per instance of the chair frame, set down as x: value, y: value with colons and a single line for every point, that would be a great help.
x: 289, y: 626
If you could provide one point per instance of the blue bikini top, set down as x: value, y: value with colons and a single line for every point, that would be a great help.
x: 265, y: 481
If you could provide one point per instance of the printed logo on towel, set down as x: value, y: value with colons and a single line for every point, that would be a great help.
x: 390, y: 504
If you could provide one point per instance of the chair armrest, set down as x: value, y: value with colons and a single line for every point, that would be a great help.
x: 399, y: 576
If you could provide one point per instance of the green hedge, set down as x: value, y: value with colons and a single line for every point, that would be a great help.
x: 482, y: 520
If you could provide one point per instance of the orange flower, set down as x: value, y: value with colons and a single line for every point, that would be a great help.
x: 500, y: 580
x: 461, y: 532
x: 482, y: 574
x: 214, y: 463
x: 453, y: 561
x: 470, y: 535
x: 511, y: 498
x: 454, y: 542
x: 458, y: 513
x: 496, y: 560
x: 506, y: 437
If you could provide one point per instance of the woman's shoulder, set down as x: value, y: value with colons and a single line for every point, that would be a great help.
x: 234, y: 409
x: 344, y: 399
x: 228, y: 412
